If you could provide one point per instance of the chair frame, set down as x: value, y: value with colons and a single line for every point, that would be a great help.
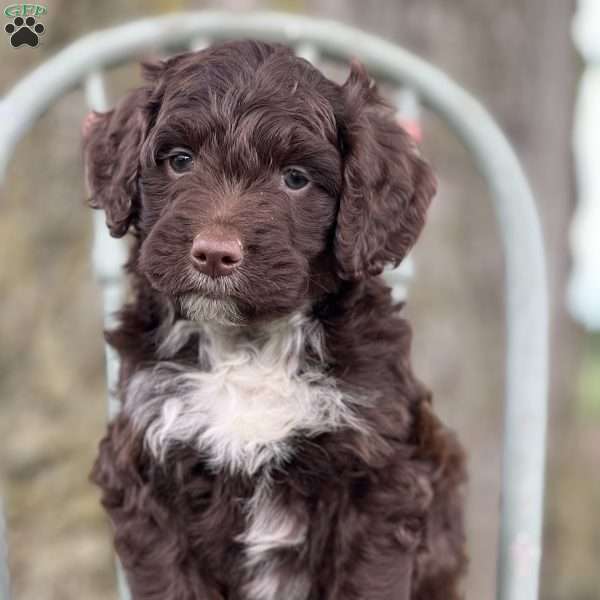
x: 525, y: 270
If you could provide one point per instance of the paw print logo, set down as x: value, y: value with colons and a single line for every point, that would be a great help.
x: 24, y: 32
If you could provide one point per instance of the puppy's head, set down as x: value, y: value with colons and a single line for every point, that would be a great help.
x: 254, y: 183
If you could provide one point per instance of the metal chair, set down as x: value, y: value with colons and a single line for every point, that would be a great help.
x: 82, y: 63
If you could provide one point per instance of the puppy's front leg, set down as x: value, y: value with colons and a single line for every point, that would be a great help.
x: 379, y: 568
x: 151, y: 547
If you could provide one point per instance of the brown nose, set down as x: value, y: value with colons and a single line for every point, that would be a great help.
x: 216, y: 253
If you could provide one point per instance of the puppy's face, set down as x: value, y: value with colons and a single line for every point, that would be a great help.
x: 254, y: 183
x: 239, y: 182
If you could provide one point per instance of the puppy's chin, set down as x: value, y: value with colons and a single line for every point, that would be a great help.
x: 221, y: 311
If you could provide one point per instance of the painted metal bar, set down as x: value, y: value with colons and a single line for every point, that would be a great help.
x: 199, y: 43
x: 526, y: 287
x: 408, y: 114
x: 308, y: 51
x: 108, y: 258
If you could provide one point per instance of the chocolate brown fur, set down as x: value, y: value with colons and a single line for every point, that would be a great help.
x: 378, y: 509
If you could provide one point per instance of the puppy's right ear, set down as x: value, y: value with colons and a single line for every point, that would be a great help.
x: 387, y: 186
x: 112, y: 142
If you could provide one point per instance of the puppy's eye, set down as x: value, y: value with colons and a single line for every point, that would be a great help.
x: 295, y: 179
x: 181, y: 162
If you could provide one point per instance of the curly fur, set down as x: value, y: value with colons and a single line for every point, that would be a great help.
x: 245, y: 399
x: 274, y: 443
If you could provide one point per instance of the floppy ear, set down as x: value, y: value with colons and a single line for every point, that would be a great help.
x: 387, y: 186
x: 112, y: 143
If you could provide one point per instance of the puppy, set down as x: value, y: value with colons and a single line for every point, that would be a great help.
x: 273, y: 443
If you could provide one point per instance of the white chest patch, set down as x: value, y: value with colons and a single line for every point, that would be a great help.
x: 250, y: 393
x: 272, y: 529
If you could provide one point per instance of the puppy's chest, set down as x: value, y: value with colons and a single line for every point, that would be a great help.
x: 243, y: 404
x: 274, y: 537
x: 256, y: 546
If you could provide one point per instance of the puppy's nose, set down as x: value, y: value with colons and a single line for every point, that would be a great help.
x: 216, y: 253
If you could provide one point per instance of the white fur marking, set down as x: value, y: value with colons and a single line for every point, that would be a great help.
x: 251, y: 392
x: 271, y: 529
x: 267, y: 585
x: 199, y: 308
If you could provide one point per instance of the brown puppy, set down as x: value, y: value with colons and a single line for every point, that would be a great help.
x: 273, y: 443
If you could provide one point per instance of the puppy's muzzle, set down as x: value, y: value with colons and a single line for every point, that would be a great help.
x: 216, y: 252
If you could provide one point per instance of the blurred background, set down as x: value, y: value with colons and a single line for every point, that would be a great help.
x: 519, y: 58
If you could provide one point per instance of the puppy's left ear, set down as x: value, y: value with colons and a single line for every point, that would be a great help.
x: 387, y: 186
x: 112, y: 144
